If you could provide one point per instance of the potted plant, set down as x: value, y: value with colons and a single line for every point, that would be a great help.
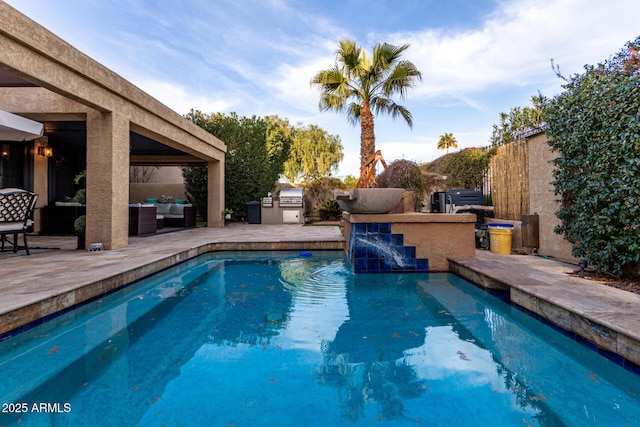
x: 80, y: 224
x: 227, y: 213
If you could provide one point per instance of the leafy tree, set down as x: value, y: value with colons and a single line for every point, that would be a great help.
x: 446, y: 141
x: 468, y: 167
x: 594, y: 126
x: 256, y: 151
x: 195, y: 184
x: 279, y: 137
x: 518, y: 120
x: 314, y: 154
x: 359, y: 85
x: 350, y: 181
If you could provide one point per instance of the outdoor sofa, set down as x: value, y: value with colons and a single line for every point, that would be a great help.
x: 177, y: 214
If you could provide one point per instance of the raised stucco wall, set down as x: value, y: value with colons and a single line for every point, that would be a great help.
x: 141, y: 191
x: 436, y: 237
x: 543, y: 201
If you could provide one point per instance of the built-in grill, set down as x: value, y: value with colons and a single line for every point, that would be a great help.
x: 291, y: 197
x: 447, y: 201
x: 464, y: 200
x: 286, y: 209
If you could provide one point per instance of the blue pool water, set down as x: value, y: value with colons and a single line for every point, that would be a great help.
x: 276, y: 339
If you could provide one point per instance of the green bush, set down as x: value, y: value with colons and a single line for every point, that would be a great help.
x: 80, y: 224
x: 256, y: 151
x: 468, y: 167
x: 195, y: 184
x: 328, y: 208
x: 319, y: 189
x: 81, y: 196
x: 594, y: 126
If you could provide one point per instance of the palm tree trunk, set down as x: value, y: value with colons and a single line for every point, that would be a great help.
x: 367, y: 134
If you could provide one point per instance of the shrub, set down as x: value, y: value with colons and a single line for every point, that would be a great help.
x: 404, y: 174
x: 195, y: 184
x: 80, y: 224
x: 81, y: 196
x: 256, y: 151
x: 328, y: 208
x: 320, y: 189
x: 468, y: 167
x: 594, y: 127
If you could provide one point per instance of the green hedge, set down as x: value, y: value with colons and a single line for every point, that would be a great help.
x: 594, y: 126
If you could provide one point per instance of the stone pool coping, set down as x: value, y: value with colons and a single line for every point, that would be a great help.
x: 605, y: 316
x: 37, y: 286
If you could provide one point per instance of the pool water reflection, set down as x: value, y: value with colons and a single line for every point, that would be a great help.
x: 272, y: 338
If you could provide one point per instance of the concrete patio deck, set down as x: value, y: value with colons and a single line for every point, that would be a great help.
x: 50, y: 280
x: 601, y: 315
x: 33, y: 287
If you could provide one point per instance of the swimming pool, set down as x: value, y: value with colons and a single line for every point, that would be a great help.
x: 273, y: 338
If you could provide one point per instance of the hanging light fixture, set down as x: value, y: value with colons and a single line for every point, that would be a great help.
x: 5, y: 151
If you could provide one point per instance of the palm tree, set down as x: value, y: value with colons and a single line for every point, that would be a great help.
x: 447, y: 140
x: 359, y: 85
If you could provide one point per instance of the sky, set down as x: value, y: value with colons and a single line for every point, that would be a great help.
x: 478, y: 58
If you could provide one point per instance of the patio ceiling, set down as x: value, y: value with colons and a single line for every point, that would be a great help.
x: 144, y: 150
x: 8, y: 79
x: 147, y: 151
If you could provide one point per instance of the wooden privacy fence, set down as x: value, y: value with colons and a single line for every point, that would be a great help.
x: 509, y: 171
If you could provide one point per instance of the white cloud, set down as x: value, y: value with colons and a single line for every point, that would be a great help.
x: 293, y: 85
x: 515, y: 45
x: 182, y: 100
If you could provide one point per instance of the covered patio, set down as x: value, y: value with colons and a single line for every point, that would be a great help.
x: 94, y: 120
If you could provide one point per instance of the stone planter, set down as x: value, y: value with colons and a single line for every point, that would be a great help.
x: 369, y: 200
x: 81, y: 239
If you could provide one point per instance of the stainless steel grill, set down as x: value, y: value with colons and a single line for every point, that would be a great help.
x: 286, y: 209
x: 291, y: 198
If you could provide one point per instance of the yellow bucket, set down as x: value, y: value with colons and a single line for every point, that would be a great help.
x: 500, y: 238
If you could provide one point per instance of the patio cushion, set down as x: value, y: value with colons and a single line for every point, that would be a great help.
x: 163, y: 208
x: 177, y: 209
x: 7, y: 227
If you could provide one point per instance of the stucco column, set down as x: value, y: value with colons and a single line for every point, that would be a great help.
x: 40, y: 181
x: 215, y: 193
x: 107, y: 179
